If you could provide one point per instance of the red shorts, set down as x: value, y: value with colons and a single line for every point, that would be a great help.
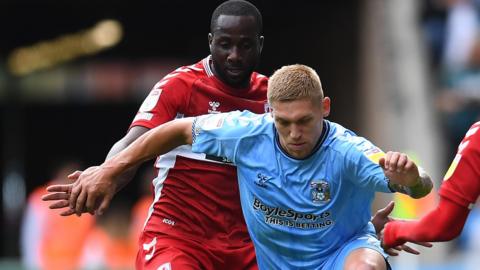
x: 164, y: 252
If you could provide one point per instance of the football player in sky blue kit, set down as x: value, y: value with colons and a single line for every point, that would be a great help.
x: 306, y: 183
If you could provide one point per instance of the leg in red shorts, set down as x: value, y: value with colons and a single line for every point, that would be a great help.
x: 161, y: 252
x: 164, y: 252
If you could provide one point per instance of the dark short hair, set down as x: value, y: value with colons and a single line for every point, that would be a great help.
x: 237, y: 8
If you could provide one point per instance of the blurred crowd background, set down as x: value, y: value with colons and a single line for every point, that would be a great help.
x: 404, y: 73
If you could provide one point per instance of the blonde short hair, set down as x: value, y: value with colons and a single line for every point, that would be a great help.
x: 294, y: 82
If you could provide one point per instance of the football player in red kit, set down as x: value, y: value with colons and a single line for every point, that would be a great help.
x: 458, y: 193
x: 195, y: 209
x: 195, y: 221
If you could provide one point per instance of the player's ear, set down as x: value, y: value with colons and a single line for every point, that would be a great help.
x: 261, y: 39
x: 326, y: 106
x: 210, y: 40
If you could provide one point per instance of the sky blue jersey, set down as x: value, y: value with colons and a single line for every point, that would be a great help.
x: 298, y: 212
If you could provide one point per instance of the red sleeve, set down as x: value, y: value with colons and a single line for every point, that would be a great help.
x: 458, y: 193
x: 168, y: 98
x: 441, y: 224
x: 462, y: 180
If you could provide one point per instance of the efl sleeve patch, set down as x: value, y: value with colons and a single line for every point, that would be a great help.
x: 374, y: 154
x: 151, y: 101
x: 209, y: 122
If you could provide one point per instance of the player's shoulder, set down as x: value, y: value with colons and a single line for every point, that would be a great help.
x: 471, y: 142
x: 243, y: 123
x: 259, y: 78
x: 259, y: 81
x: 184, y: 75
x: 249, y: 119
x: 343, y: 139
x: 255, y: 126
x: 474, y: 131
x: 339, y: 134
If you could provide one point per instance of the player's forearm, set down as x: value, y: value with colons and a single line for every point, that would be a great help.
x: 128, y: 175
x: 418, y: 189
x: 124, y: 178
x: 444, y: 223
x: 133, y: 134
x: 423, y: 186
x: 157, y: 141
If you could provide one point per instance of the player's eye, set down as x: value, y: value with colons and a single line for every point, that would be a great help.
x: 247, y: 45
x: 224, y: 45
x: 304, y: 121
x: 283, y: 123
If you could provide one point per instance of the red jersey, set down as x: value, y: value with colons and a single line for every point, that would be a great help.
x: 462, y: 180
x: 196, y: 196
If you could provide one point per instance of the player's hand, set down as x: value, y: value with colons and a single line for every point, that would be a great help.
x: 379, y: 221
x: 394, y: 251
x: 381, y: 217
x: 91, y: 192
x: 399, y: 169
x: 60, y: 194
x: 400, y: 245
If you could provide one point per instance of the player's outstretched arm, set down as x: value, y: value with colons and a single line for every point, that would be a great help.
x: 96, y: 186
x: 444, y: 223
x: 60, y: 194
x: 405, y: 177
